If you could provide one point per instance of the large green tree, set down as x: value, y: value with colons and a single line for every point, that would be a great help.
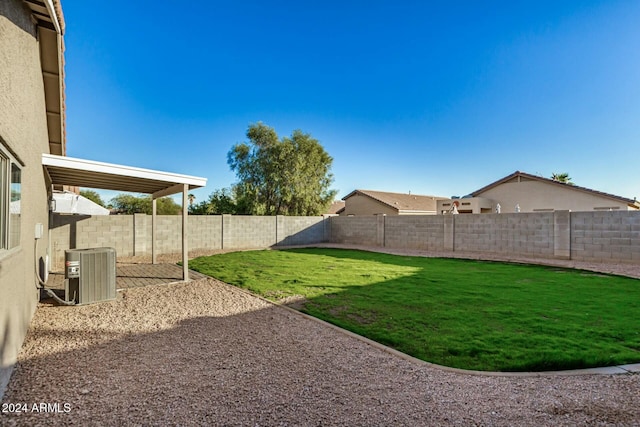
x: 288, y: 176
x: 221, y: 201
x: 130, y: 204
x: 93, y: 196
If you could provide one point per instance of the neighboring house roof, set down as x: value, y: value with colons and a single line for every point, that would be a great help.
x: 517, y: 174
x: 401, y: 201
x: 336, y: 207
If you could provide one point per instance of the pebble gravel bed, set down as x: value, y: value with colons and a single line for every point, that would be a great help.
x: 206, y: 353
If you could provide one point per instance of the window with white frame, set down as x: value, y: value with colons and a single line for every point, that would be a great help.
x: 10, y: 199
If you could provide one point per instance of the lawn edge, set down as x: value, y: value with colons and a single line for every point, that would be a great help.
x: 600, y: 267
x: 628, y: 369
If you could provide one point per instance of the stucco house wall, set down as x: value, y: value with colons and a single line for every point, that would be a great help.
x: 23, y: 133
x: 359, y: 204
x: 539, y: 196
x: 474, y: 205
x: 370, y: 202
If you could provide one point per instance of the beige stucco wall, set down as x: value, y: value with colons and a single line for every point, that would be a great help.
x: 474, y: 205
x: 533, y: 195
x: 23, y: 128
x: 363, y: 205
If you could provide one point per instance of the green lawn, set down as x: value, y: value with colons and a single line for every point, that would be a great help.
x: 460, y: 313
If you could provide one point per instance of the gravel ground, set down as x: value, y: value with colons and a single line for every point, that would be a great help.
x: 205, y: 353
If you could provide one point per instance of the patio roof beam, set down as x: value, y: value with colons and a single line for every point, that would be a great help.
x: 168, y: 191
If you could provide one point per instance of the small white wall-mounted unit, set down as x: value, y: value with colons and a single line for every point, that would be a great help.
x: 90, y: 275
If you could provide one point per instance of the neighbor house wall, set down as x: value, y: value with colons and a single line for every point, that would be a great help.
x: 534, y: 195
x: 359, y: 204
x: 465, y: 205
x: 23, y: 131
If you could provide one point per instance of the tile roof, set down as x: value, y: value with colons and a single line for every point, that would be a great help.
x: 336, y: 207
x: 401, y: 201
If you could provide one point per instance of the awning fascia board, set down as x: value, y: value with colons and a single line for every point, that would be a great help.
x: 89, y: 173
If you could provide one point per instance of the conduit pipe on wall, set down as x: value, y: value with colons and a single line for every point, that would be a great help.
x: 43, y: 284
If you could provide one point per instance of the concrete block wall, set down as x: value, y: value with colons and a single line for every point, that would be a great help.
x: 205, y: 232
x: 527, y: 234
x: 415, y: 232
x: 562, y: 234
x: 101, y: 231
x: 584, y: 236
x: 605, y: 236
x: 130, y: 235
x: 301, y: 230
x: 141, y: 229
x: 240, y: 232
x: 356, y: 230
x: 82, y: 231
x: 610, y: 236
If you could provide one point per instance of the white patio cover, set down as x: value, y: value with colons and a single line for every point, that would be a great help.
x: 62, y: 170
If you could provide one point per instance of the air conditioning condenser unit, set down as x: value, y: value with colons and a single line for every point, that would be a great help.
x: 90, y: 275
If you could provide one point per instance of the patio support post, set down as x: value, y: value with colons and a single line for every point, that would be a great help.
x: 154, y: 206
x: 185, y: 248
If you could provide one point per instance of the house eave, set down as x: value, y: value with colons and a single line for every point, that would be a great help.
x: 50, y: 28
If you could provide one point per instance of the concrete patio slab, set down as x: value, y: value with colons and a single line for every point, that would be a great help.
x: 135, y: 275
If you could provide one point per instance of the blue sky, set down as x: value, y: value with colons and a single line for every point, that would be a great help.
x: 431, y: 97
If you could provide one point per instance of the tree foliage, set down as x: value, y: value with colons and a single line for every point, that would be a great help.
x: 288, y: 176
x: 93, y: 196
x: 130, y: 204
x: 221, y: 201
